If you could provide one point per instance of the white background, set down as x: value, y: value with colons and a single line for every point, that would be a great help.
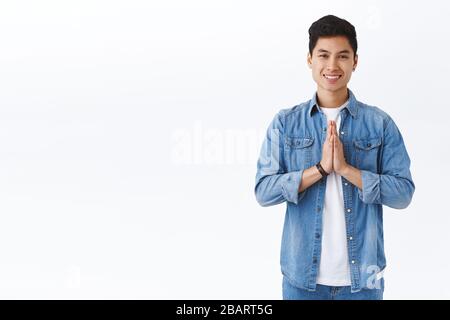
x: 129, y: 134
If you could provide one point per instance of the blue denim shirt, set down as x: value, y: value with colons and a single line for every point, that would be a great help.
x: 372, y: 143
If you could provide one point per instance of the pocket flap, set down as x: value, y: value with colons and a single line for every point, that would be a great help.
x: 367, y: 144
x: 298, y: 142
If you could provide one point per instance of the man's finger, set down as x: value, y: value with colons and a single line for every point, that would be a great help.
x: 331, y: 147
x: 332, y: 129
x: 329, y: 128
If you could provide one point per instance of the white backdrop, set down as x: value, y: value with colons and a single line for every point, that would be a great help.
x: 129, y: 134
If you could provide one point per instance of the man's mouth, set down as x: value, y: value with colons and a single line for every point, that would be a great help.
x: 332, y: 77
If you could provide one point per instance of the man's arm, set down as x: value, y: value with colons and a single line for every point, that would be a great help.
x: 353, y: 175
x: 310, y: 176
x: 273, y: 183
x: 394, y: 186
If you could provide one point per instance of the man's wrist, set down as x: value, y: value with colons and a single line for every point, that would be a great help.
x: 345, y: 170
x: 321, y: 170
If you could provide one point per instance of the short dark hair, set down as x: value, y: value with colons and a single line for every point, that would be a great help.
x: 332, y: 26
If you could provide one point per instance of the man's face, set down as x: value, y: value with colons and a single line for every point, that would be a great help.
x: 332, y: 63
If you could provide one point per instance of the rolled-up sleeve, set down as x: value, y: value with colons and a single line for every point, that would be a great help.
x: 273, y: 184
x: 393, y: 186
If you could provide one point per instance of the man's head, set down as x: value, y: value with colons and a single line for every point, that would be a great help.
x: 332, y: 52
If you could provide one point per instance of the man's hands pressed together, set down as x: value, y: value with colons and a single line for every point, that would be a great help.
x: 327, y: 150
x: 337, y: 159
x: 333, y: 160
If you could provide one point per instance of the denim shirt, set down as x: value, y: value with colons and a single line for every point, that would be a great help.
x: 373, y: 144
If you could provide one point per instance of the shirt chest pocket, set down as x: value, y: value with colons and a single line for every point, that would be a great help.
x: 368, y: 152
x: 298, y: 152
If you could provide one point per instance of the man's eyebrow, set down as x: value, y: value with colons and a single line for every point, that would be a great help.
x: 325, y: 51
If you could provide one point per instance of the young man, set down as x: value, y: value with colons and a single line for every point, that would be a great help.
x: 335, y: 161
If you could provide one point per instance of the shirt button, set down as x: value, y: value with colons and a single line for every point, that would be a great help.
x: 317, y: 235
x: 314, y: 260
x: 369, y: 145
x: 351, y: 238
x: 342, y: 132
x: 353, y: 261
x: 318, y: 209
x: 346, y: 184
x: 348, y: 210
x: 324, y: 129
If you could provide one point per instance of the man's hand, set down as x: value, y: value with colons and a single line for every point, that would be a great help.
x: 327, y: 151
x: 339, y: 163
x: 332, y: 160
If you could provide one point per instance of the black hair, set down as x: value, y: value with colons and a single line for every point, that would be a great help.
x: 332, y: 26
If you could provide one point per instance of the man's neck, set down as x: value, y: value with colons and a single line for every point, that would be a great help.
x: 330, y: 99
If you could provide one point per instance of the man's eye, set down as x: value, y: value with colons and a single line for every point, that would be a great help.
x: 344, y: 57
x: 323, y: 56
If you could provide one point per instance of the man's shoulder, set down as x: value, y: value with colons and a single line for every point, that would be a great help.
x: 295, y: 110
x: 372, y: 110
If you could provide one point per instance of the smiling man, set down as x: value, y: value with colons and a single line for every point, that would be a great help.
x: 335, y: 162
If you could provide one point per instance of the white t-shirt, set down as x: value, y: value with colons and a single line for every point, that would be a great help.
x: 334, y: 267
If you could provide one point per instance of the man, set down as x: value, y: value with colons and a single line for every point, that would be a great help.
x: 335, y: 161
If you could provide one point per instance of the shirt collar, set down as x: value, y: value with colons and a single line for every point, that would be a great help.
x: 352, y: 105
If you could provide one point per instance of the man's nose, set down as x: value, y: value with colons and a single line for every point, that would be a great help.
x: 332, y: 64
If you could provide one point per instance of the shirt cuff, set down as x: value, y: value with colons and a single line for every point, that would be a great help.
x: 370, y: 193
x: 290, y: 186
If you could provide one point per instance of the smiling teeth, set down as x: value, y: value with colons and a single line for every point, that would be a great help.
x: 332, y: 77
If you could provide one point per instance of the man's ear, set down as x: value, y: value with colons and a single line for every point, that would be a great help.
x: 355, y: 63
x: 308, y: 60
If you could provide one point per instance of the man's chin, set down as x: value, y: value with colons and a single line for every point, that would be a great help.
x: 332, y: 89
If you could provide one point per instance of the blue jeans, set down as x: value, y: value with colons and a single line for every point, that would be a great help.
x: 322, y: 292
